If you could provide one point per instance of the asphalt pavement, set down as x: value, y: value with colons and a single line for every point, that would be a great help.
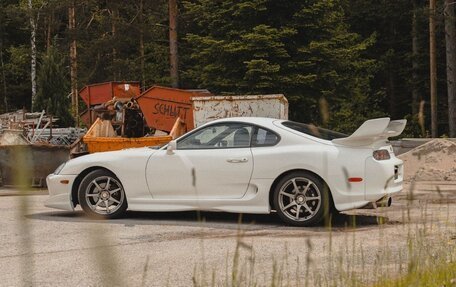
x: 45, y: 247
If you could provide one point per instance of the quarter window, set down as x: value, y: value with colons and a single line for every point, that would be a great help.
x: 263, y: 137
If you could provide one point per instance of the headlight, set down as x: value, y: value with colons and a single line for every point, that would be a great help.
x: 59, y: 169
x: 381, y: 154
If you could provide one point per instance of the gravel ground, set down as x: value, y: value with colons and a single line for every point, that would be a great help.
x: 45, y: 247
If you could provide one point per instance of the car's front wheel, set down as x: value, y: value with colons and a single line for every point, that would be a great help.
x: 101, y: 195
x: 301, y: 199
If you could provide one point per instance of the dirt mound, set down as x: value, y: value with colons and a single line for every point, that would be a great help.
x: 432, y: 161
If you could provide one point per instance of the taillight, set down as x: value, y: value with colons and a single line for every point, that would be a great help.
x: 381, y: 154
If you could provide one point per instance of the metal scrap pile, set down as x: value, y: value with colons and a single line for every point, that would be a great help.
x: 21, y: 127
x: 21, y: 119
x: 59, y: 136
x: 125, y: 116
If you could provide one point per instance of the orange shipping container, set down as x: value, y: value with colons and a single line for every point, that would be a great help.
x: 101, y: 137
x: 101, y: 93
x: 161, y: 106
x: 100, y: 144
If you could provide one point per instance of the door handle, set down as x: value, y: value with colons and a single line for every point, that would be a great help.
x: 237, y: 160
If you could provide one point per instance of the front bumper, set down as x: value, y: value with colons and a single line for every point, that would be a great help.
x: 59, y: 187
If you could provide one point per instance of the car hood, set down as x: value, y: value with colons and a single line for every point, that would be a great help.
x: 105, y: 159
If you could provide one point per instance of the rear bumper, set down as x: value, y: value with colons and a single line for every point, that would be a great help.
x: 60, y: 191
x: 383, y: 178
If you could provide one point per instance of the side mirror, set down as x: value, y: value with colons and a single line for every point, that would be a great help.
x: 172, y: 146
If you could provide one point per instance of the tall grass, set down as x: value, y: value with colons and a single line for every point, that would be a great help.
x: 22, y: 174
x: 427, y: 256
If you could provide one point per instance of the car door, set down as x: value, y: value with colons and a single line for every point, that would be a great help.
x: 214, y: 162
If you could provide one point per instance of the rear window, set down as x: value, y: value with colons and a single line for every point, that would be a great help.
x: 314, y: 131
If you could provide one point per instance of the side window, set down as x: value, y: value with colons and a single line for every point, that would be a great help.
x: 263, y: 137
x: 226, y: 135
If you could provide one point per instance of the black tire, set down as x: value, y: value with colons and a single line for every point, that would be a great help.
x: 312, y: 200
x: 102, y: 196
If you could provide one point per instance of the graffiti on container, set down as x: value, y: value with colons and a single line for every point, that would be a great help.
x: 171, y: 110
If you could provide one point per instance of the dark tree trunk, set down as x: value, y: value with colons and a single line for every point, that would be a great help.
x: 33, y: 52
x: 433, y: 69
x: 415, y: 89
x: 391, y: 75
x: 450, y: 38
x: 49, y: 23
x: 5, y: 96
x: 173, y: 54
x: 391, y: 91
x: 73, y: 63
x: 114, y: 15
x: 141, y: 44
x: 2, y: 66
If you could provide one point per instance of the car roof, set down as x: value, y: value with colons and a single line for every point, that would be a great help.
x: 253, y: 120
x: 273, y: 124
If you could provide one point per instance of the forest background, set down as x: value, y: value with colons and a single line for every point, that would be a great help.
x: 339, y: 62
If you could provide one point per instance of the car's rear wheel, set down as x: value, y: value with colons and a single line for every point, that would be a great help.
x: 301, y: 199
x: 101, y: 195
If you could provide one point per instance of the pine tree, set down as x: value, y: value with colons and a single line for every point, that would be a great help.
x: 303, y: 49
x: 334, y: 62
x: 53, y: 88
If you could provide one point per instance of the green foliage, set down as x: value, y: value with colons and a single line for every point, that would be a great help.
x: 391, y: 21
x: 108, y: 42
x: 303, y: 49
x: 53, y: 88
x: 19, y: 59
x: 355, y: 56
x: 352, y: 113
x: 413, y: 128
x: 17, y: 69
x: 156, y: 64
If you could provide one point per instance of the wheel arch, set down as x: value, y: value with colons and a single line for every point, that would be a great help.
x: 276, y: 181
x: 80, y: 177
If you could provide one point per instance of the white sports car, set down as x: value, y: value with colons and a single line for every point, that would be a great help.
x: 242, y: 165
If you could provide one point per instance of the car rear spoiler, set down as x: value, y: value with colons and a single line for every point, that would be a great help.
x: 372, y: 131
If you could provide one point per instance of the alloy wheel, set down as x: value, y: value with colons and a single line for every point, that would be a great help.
x: 104, y: 195
x: 299, y: 199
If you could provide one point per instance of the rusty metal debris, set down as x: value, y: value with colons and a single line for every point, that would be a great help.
x: 21, y: 127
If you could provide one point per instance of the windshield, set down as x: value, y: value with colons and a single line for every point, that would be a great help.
x: 314, y: 131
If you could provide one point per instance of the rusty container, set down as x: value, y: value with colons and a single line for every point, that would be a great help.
x: 101, y: 137
x: 161, y: 106
x: 206, y: 109
x: 100, y: 144
x: 101, y: 93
